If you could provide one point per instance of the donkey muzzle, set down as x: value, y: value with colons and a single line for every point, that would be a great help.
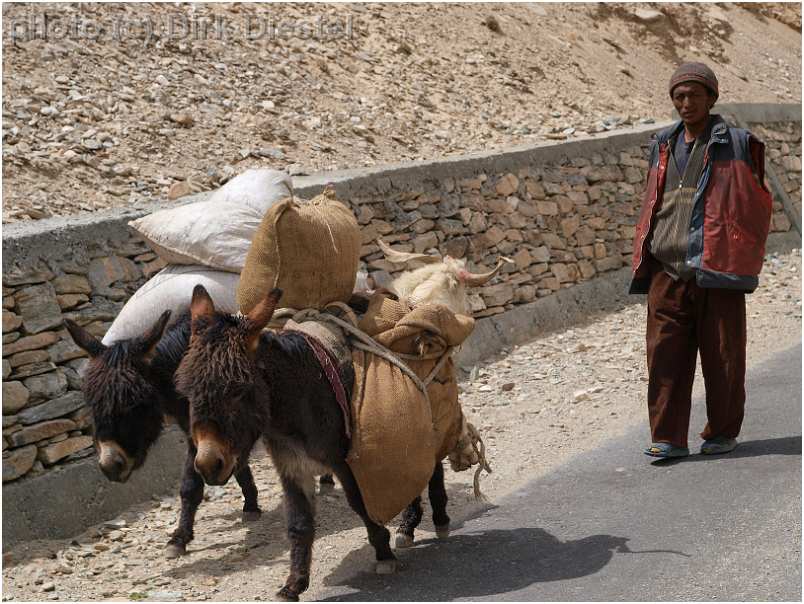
x: 113, y: 462
x: 213, y: 464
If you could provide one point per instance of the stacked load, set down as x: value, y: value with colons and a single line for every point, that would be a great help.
x: 204, y: 242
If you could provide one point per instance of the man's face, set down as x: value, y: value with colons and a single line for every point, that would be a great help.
x: 693, y: 102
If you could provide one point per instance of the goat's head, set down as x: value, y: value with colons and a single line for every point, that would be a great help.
x: 437, y: 280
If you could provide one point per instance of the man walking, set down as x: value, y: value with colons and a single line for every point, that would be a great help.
x: 698, y: 248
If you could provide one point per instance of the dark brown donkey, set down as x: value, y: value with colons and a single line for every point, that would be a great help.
x: 243, y: 384
x: 129, y: 388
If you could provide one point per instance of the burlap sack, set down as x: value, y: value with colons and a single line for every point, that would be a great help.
x: 309, y: 249
x: 393, y: 442
x: 397, y: 437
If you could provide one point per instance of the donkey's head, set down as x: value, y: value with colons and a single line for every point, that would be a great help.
x: 123, y: 393
x: 218, y: 375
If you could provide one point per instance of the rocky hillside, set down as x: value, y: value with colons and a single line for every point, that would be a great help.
x: 112, y: 104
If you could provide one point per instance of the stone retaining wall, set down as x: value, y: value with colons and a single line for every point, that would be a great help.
x: 564, y: 212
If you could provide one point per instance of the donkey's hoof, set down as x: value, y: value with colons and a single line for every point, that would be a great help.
x: 385, y: 567
x: 285, y: 595
x: 175, y: 550
x: 402, y: 541
x: 442, y: 532
x: 251, y: 515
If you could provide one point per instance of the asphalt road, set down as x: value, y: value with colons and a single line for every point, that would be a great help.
x: 611, y: 525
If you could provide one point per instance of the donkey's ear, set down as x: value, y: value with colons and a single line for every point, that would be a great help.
x: 261, y: 314
x: 151, y: 338
x: 201, y: 304
x: 85, y: 340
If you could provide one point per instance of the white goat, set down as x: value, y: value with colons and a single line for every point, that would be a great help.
x: 439, y: 281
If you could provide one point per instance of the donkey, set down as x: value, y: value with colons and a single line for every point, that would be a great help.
x: 129, y: 388
x: 243, y: 384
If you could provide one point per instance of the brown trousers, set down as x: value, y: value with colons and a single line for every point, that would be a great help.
x: 684, y: 319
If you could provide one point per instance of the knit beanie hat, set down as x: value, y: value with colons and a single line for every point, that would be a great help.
x: 694, y: 72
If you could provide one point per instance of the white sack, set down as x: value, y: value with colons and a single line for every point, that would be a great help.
x: 172, y: 288
x: 216, y: 232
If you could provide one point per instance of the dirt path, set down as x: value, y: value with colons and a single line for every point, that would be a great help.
x: 571, y: 391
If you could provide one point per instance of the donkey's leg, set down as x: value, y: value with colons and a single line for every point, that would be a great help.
x: 378, y: 535
x: 251, y: 509
x: 411, y: 518
x: 438, y: 501
x: 192, y: 492
x: 326, y: 483
x: 299, y: 491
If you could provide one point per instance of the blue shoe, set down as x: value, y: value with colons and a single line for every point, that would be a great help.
x: 718, y: 446
x: 666, y: 450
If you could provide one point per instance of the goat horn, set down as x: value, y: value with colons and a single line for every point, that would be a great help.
x: 477, y: 279
x: 404, y: 257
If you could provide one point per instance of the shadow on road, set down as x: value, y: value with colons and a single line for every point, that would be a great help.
x: 787, y: 445
x: 479, y: 564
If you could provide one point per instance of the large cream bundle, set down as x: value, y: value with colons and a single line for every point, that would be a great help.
x: 216, y: 232
x: 309, y: 249
x: 397, y: 437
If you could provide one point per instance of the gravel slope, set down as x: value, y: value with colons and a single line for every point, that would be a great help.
x: 120, y: 117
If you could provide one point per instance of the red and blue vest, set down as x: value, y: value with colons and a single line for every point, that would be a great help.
x: 731, y: 210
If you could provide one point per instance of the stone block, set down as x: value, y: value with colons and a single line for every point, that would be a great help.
x: 535, y: 190
x: 497, y: 295
x: 570, y: 225
x: 17, y: 462
x: 633, y: 175
x: 565, y: 204
x: 45, y: 387
x: 72, y: 284
x: 578, y: 197
x: 65, y: 350
x: 52, y: 409
x: 540, y: 254
x: 52, y: 453
x: 68, y: 301
x: 41, y: 431
x: 425, y: 242
x: 451, y: 227
x: 39, y: 308
x: 587, y: 269
x: 103, y: 272
x: 600, y: 250
x: 584, y: 236
x: 522, y: 259
x: 6, y: 368
x: 25, y: 371
x: 553, y: 241
x: 492, y: 237
x: 423, y: 226
x: 15, y: 279
x: 478, y: 223
x: 507, y: 185
x: 15, y: 397
x: 608, y: 264
x: 525, y: 294
x: 456, y: 247
x: 547, y: 208
x: 781, y: 222
x: 27, y: 357
x: 11, y: 321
